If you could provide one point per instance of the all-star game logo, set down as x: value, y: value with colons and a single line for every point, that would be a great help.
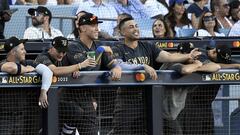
x: 221, y: 77
x: 20, y: 79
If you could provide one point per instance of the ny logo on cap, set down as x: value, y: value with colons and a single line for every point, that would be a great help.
x: 93, y: 18
x: 64, y: 42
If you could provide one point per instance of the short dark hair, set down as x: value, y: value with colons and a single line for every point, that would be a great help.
x: 122, y: 22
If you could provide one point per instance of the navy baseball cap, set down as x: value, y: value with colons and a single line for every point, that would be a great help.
x: 13, y: 42
x: 88, y: 19
x: 60, y: 43
x: 40, y: 9
x: 223, y: 54
x: 185, y: 47
x: 173, y: 2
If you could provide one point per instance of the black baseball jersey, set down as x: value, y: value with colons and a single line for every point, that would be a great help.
x: 144, y: 53
x: 47, y: 60
x: 78, y: 53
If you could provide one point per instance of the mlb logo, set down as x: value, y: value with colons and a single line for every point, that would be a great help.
x: 206, y: 77
x: 4, y: 79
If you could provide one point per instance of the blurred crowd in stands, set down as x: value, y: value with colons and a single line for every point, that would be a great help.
x: 172, y: 18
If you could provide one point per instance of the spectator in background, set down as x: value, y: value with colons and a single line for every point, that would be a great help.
x: 235, y: 29
x: 164, y: 2
x: 196, y: 10
x: 25, y: 2
x: 41, y: 21
x: 154, y: 8
x: 75, y: 33
x: 64, y: 2
x: 235, y: 10
x: 208, y: 26
x: 160, y: 28
x: 116, y: 31
x: 5, y: 16
x: 220, y: 9
x: 177, y: 17
x: 133, y: 7
x: 102, y: 10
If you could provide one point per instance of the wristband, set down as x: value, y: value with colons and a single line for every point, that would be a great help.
x: 100, y: 49
x: 19, y: 69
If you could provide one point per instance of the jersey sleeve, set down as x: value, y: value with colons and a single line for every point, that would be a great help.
x: 43, y: 59
x: 117, y: 52
x: 75, y: 55
x: 155, y: 50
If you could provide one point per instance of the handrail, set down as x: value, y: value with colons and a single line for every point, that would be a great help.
x: 102, y: 78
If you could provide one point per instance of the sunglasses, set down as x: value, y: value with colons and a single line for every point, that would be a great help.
x: 209, y: 18
x: 36, y: 14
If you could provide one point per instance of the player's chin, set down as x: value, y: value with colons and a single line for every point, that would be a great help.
x: 59, y: 58
x: 23, y: 58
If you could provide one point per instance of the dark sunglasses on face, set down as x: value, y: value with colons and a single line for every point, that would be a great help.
x: 36, y: 13
x: 209, y: 18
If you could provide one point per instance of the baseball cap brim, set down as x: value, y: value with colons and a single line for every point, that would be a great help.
x: 31, y: 11
x: 62, y: 49
x: 23, y: 41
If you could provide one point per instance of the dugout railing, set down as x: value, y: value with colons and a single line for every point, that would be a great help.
x: 20, y: 86
x: 49, y: 121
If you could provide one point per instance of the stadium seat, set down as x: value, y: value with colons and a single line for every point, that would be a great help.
x: 145, y: 27
x: 186, y: 32
x: 224, y: 31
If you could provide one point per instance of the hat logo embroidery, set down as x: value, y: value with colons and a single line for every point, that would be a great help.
x: 11, y: 44
x: 92, y: 18
x: 64, y: 42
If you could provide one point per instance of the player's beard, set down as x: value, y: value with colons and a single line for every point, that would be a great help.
x: 36, y: 23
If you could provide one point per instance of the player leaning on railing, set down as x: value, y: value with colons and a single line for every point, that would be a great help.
x: 16, y: 64
x: 136, y: 52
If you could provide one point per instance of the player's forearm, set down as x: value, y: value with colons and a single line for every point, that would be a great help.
x: 189, y: 68
x: 172, y: 57
x: 237, y: 66
x: 46, y: 76
x: 177, y: 57
x: 209, y: 67
x: 127, y: 66
x: 65, y: 70
x: 9, y: 67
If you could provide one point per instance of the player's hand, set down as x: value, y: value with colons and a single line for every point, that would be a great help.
x: 194, y: 54
x: 89, y: 62
x: 29, y: 69
x: 116, y: 73
x: 43, y: 102
x: 107, y: 49
x: 76, y: 74
x: 152, y: 72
